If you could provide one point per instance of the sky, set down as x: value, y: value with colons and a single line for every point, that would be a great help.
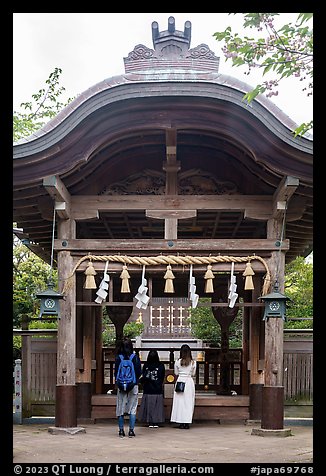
x: 90, y: 47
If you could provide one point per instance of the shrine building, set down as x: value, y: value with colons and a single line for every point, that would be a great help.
x: 165, y: 176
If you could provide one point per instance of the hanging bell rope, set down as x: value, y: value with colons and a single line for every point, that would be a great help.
x: 125, y: 288
x: 209, y: 276
x: 170, y: 259
x: 169, y: 277
x: 90, y: 273
x: 248, y: 273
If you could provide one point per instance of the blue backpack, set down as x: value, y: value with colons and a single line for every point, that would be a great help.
x: 126, y: 377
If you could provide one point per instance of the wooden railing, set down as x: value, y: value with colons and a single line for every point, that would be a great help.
x: 207, y: 372
x: 39, y: 368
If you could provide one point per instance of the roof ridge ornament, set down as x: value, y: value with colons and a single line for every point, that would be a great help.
x: 171, y: 52
x: 171, y: 33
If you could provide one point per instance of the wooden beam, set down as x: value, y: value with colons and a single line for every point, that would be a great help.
x: 171, y: 218
x: 62, y: 209
x: 171, y: 144
x: 254, y: 206
x: 171, y: 229
x: 176, y: 214
x: 58, y: 191
x: 282, y: 195
x: 171, y: 166
x: 137, y: 246
x: 56, y: 188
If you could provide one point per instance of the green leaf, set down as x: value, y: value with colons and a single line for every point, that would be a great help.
x: 304, y: 17
x: 254, y: 93
x: 303, y: 128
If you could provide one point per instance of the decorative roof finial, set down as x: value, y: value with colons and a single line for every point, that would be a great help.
x: 171, y: 33
x: 171, y: 53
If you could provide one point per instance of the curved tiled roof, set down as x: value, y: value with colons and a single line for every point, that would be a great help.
x: 163, y: 76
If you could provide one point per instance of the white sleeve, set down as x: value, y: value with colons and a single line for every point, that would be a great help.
x: 176, y: 367
x: 193, y: 368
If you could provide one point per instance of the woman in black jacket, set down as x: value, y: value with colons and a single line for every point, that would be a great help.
x: 151, y: 408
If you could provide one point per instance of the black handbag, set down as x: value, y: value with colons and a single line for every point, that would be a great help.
x: 180, y: 386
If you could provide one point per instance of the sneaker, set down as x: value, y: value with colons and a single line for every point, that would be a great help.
x: 131, y: 433
x: 150, y: 426
x: 121, y: 433
x: 155, y: 426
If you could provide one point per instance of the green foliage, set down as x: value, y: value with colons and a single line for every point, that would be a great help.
x: 204, y: 326
x: 17, y: 345
x: 286, y: 52
x: 40, y: 324
x: 299, y: 288
x: 30, y: 276
x: 108, y: 336
x: 133, y: 329
x: 45, y: 104
x: 298, y: 324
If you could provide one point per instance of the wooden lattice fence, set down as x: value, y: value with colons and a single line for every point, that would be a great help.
x: 298, y: 368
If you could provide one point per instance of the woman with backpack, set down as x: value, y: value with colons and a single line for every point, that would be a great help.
x: 151, y: 408
x: 127, y: 362
x: 184, y: 401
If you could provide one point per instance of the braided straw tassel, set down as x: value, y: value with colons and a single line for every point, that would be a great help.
x: 90, y: 280
x: 248, y: 273
x: 125, y: 279
x: 209, y: 276
x: 169, y: 276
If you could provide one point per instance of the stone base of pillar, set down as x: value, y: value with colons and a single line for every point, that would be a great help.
x: 272, y: 408
x: 263, y: 432
x: 255, y: 401
x: 54, y: 430
x: 65, y: 406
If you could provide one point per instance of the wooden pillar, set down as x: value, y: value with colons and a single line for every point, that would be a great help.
x: 245, y: 352
x: 65, y: 411
x: 171, y: 359
x: 224, y: 316
x: 26, y: 370
x: 99, y: 374
x: 84, y: 376
x: 256, y: 374
x: 273, y: 390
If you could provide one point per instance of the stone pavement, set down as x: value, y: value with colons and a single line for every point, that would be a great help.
x: 205, y: 442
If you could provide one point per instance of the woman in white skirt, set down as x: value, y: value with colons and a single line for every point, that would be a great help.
x: 184, y: 402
